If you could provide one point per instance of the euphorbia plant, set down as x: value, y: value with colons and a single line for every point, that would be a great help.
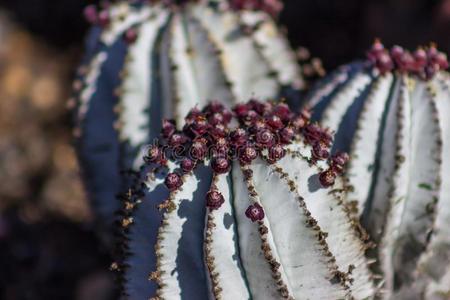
x: 391, y: 112
x: 149, y: 60
x: 242, y: 205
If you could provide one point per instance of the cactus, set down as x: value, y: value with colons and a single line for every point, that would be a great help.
x: 157, y: 59
x: 391, y: 114
x: 242, y: 206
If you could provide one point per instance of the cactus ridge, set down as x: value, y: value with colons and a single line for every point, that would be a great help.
x: 204, y: 201
x: 392, y: 120
x: 146, y: 61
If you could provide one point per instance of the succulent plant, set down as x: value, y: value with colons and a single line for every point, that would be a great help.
x: 242, y: 206
x: 147, y: 60
x: 391, y: 114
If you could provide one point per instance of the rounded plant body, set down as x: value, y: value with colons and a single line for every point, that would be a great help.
x: 152, y: 60
x: 391, y: 113
x: 258, y: 220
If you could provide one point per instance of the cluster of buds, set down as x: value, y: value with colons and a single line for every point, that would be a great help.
x: 100, y: 15
x: 320, y: 140
x: 337, y: 163
x: 272, y: 7
x: 216, y: 136
x: 424, y: 62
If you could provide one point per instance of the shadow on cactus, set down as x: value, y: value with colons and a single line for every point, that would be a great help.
x: 392, y: 114
x: 149, y: 60
x: 242, y: 206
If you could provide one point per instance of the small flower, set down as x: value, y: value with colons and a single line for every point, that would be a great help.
x: 220, y: 165
x: 168, y: 128
x: 283, y: 111
x: 255, y: 212
x: 241, y: 110
x: 287, y: 134
x: 198, y: 126
x: 153, y: 155
x: 238, y: 137
x: 218, y: 131
x: 199, y: 149
x: 130, y: 36
x: 177, y: 139
x: 264, y: 138
x: 275, y: 122
x: 220, y: 148
x: 338, y: 162
x: 247, y: 155
x: 214, y: 199
x: 320, y: 151
x: 173, y: 181
x: 314, y: 134
x: 276, y: 153
x: 103, y: 18
x: 90, y: 14
x: 187, y: 165
x: 327, y: 178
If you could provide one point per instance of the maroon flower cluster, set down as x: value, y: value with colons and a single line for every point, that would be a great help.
x: 337, y: 163
x: 424, y: 62
x: 251, y: 130
x: 100, y: 15
x: 272, y: 7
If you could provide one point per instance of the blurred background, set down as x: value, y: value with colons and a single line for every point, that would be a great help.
x: 48, y: 249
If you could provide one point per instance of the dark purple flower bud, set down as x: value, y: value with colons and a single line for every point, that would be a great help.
x: 247, y: 154
x: 397, y: 52
x: 375, y: 51
x: 276, y: 153
x: 384, y: 63
x: 153, y: 155
x: 187, y: 165
x: 403, y: 59
x: 241, y: 110
x: 90, y: 14
x: 258, y: 125
x: 314, y: 134
x: 220, y: 165
x: 173, y: 181
x: 214, y: 199
x: 238, y: 137
x: 199, y: 126
x: 199, y: 149
x: 216, y: 118
x: 320, y: 151
x: 220, y: 147
x: 327, y: 178
x: 130, y: 36
x: 283, y: 112
x: 275, y: 122
x: 260, y: 107
x: 264, y: 138
x: 420, y: 57
x: 103, y: 18
x: 252, y: 116
x: 255, y: 212
x: 214, y: 107
x: 442, y: 61
x: 226, y: 116
x: 192, y: 115
x: 287, y: 135
x: 168, y: 128
x: 338, y: 162
x: 218, y: 131
x: 177, y: 139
